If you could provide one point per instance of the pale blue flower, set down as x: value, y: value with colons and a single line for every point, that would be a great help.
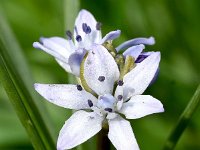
x: 69, y: 53
x: 101, y: 73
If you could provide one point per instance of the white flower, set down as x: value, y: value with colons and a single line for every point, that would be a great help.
x: 69, y: 54
x: 87, y: 32
x: 101, y: 74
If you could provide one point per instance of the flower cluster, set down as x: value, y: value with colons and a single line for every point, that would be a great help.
x: 111, y: 83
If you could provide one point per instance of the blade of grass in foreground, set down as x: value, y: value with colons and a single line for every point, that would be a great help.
x: 14, y: 76
x: 183, y: 121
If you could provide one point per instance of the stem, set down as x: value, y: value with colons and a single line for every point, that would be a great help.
x: 183, y: 121
x: 103, y: 143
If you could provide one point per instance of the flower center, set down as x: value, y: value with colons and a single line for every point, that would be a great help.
x: 106, y: 103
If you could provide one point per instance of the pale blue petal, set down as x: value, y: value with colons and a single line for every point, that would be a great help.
x: 111, y: 36
x: 75, y: 61
x: 134, y: 51
x: 136, y: 41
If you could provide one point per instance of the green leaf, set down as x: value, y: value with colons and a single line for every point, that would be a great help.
x: 18, y: 83
x: 183, y: 121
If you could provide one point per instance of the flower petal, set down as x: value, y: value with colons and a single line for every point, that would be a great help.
x: 140, y: 77
x: 59, y: 45
x: 121, y: 134
x: 84, y: 17
x: 111, y: 36
x: 66, y: 95
x: 79, y: 128
x: 136, y: 41
x: 134, y: 51
x: 100, y: 70
x: 75, y: 61
x: 57, y: 55
x: 64, y: 65
x: 141, y: 105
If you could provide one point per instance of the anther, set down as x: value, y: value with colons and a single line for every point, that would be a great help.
x: 90, y: 103
x: 120, y: 82
x: 79, y: 87
x: 101, y: 78
x: 140, y: 58
x: 69, y: 34
x: 108, y: 109
x: 78, y: 38
x: 119, y: 97
x: 98, y: 25
x: 84, y: 27
x: 88, y: 30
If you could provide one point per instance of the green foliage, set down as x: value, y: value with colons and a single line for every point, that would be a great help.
x: 175, y: 26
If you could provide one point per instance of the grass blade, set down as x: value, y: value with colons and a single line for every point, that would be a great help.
x: 15, y: 77
x: 183, y: 121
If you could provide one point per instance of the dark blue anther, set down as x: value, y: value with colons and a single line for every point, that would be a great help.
x: 69, y: 35
x: 90, y: 103
x: 79, y: 87
x: 101, y: 78
x: 88, y: 30
x: 141, y: 58
x: 98, y: 25
x: 78, y: 38
x: 119, y: 97
x: 120, y: 82
x: 108, y: 109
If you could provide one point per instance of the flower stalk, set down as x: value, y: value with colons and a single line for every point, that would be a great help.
x: 103, y: 143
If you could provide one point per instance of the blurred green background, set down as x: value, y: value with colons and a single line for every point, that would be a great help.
x: 175, y: 24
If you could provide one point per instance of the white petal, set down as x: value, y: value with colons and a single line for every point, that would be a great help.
x: 111, y: 36
x: 121, y: 134
x: 134, y: 51
x: 64, y: 65
x: 57, y: 55
x: 84, y: 16
x: 136, y: 41
x: 79, y: 128
x: 140, y: 77
x: 141, y: 105
x: 65, y: 95
x: 100, y: 64
x: 59, y: 45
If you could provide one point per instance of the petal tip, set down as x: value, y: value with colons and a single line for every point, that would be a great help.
x: 151, y: 40
x: 36, y: 45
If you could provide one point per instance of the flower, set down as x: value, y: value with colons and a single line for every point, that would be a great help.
x: 87, y: 32
x: 113, y: 96
x: 69, y: 54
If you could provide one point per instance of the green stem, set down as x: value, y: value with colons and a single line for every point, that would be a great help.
x: 183, y: 121
x: 103, y: 142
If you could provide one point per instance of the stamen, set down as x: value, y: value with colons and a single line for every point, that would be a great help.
x: 119, y: 97
x: 79, y: 87
x: 78, y: 38
x: 108, y: 109
x: 90, y: 103
x: 120, y: 82
x: 69, y: 34
x: 98, y: 25
x: 75, y: 29
x: 140, y: 58
x: 101, y: 78
x: 84, y: 27
x: 88, y: 30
